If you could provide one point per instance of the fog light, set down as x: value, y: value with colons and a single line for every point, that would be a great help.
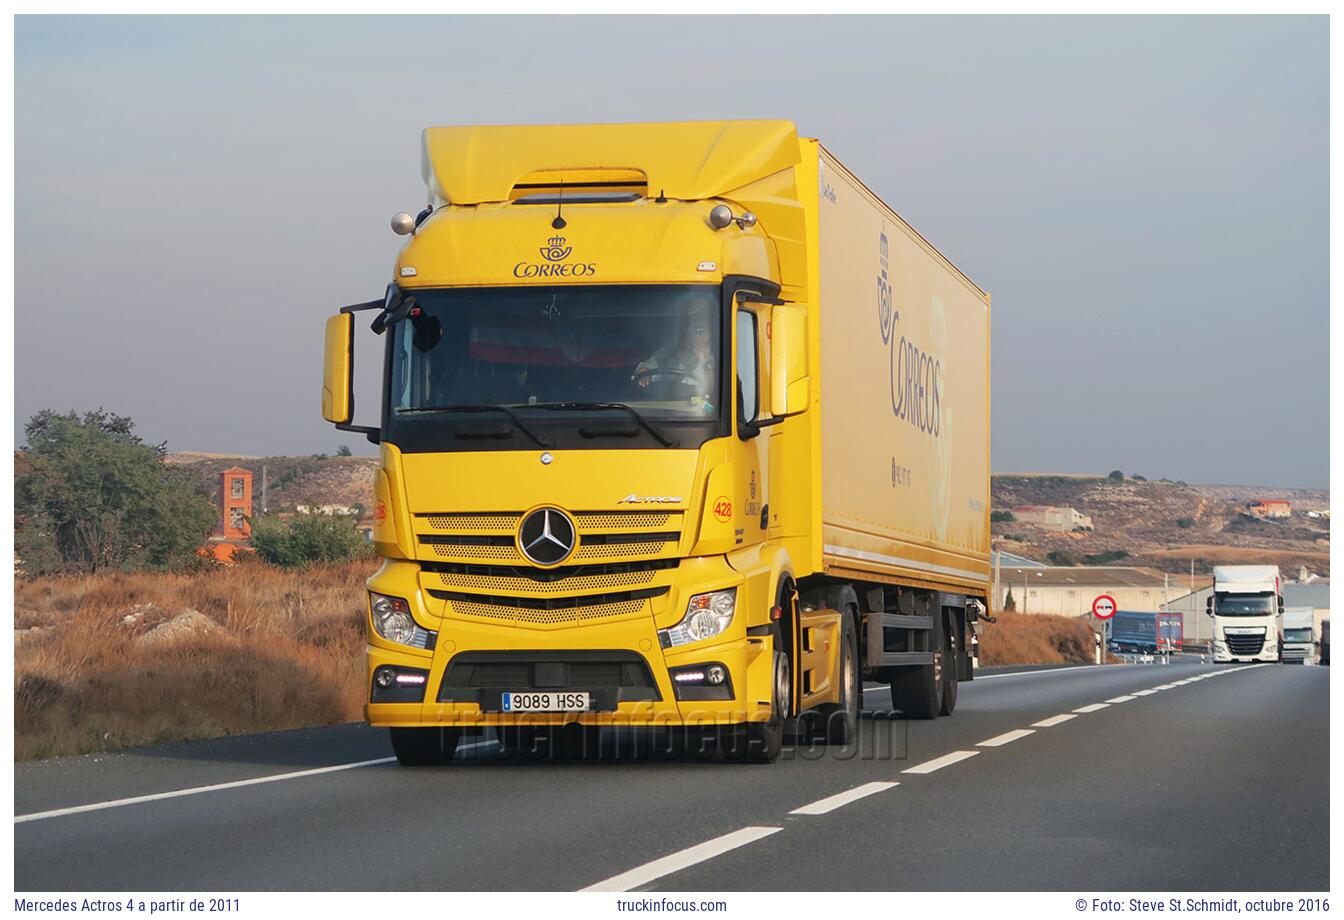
x: 715, y: 674
x: 385, y: 677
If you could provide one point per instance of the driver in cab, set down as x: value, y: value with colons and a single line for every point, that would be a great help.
x: 689, y: 363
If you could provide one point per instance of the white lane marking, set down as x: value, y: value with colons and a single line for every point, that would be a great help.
x: 216, y: 787
x: 1144, y: 692
x: 1164, y: 686
x: 938, y: 763
x: 1045, y: 671
x: 1120, y: 699
x: 832, y: 802
x: 682, y: 859
x: 1091, y: 707
x: 1006, y: 737
x: 1053, y: 720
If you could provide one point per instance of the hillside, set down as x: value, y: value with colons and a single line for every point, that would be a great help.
x: 290, y: 481
x: 1166, y: 524
x: 1161, y: 523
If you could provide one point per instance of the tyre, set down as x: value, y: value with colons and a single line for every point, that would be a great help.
x: 761, y: 742
x: 949, y: 674
x: 424, y: 747
x: 840, y: 721
x: 918, y: 692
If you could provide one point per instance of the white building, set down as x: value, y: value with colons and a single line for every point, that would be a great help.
x: 1052, y: 517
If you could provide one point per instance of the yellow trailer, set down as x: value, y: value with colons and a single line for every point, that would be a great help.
x: 681, y: 426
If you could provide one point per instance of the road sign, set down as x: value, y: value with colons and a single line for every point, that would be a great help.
x: 1103, y: 608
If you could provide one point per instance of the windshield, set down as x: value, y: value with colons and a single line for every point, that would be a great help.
x: 539, y: 351
x: 1297, y: 635
x: 1244, y: 605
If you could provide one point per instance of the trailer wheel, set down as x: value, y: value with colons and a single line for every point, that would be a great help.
x: 424, y: 747
x: 840, y: 721
x: 918, y: 692
x: 949, y: 674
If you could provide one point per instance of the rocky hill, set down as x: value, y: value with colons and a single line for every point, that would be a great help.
x: 1164, y: 524
x: 1158, y: 523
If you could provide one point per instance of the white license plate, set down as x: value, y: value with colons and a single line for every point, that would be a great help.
x: 528, y: 701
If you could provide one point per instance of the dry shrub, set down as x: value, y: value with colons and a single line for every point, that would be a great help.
x: 1021, y: 638
x: 288, y: 653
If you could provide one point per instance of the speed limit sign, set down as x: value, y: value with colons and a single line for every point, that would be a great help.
x: 1103, y: 608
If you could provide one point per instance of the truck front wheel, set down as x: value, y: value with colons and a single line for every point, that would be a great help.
x: 840, y: 721
x: 424, y: 747
x: 761, y: 742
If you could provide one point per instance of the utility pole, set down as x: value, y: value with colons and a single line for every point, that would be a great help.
x: 263, y: 489
x: 995, y: 604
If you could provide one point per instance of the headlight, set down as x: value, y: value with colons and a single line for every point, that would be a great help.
x: 707, y: 615
x: 392, y: 619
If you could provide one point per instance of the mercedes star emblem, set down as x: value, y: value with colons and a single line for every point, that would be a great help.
x: 547, y: 536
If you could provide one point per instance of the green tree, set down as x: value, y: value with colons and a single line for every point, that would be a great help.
x: 343, y: 451
x: 92, y: 495
x: 1185, y: 522
x: 308, y: 538
x: 997, y: 516
x: 1061, y: 557
x: 1010, y: 602
x: 1117, y: 476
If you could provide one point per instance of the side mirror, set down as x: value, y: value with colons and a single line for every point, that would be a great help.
x: 790, y: 386
x: 337, y: 359
x: 1280, y: 603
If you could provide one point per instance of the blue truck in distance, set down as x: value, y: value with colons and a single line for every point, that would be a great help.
x: 1145, y: 632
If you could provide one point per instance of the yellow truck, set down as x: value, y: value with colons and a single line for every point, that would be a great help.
x: 681, y: 427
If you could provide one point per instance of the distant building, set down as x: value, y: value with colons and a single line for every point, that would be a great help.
x: 1052, y: 517
x: 235, y: 504
x: 1070, y: 590
x: 1270, y: 508
x: 326, y: 509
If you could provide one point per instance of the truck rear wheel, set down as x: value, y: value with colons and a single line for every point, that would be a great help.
x: 424, y: 747
x: 949, y: 674
x: 840, y: 721
x: 918, y: 692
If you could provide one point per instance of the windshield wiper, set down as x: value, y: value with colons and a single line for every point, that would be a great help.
x: 483, y: 408
x: 643, y: 422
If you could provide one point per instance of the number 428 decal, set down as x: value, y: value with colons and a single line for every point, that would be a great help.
x: 723, y: 508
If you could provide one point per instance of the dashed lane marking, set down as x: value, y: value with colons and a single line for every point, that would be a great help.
x: 1006, y: 738
x: 1053, y: 720
x: 832, y: 802
x: 682, y: 859
x: 930, y: 766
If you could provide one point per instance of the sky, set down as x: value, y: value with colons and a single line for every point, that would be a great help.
x: 1145, y: 197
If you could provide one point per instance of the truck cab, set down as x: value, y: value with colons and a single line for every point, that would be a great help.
x: 1246, y: 608
x: 1299, y: 640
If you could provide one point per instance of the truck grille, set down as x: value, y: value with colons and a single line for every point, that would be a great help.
x: 1245, y: 645
x: 488, y: 537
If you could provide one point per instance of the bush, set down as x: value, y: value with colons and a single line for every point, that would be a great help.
x: 1106, y: 558
x: 1117, y: 476
x: 1137, y: 478
x: 1001, y: 516
x: 1185, y: 523
x: 1061, y: 557
x: 309, y: 538
x: 343, y: 451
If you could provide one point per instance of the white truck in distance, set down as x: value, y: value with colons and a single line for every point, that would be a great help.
x: 1246, y: 606
x: 1299, y: 635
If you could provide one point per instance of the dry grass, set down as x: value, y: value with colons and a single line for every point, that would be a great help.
x: 1023, y: 638
x: 282, y: 649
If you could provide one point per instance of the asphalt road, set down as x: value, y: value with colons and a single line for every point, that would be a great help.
x: 1218, y: 782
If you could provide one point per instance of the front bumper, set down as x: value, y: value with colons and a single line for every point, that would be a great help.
x: 619, y: 662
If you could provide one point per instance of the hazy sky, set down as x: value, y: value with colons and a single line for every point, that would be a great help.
x: 1145, y: 197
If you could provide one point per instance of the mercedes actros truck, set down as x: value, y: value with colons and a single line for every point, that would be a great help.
x: 681, y: 426
x: 1246, y: 606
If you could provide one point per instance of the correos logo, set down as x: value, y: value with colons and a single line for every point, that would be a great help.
x: 916, y: 374
x: 554, y: 252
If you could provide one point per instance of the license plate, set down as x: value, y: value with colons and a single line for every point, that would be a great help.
x: 528, y: 701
